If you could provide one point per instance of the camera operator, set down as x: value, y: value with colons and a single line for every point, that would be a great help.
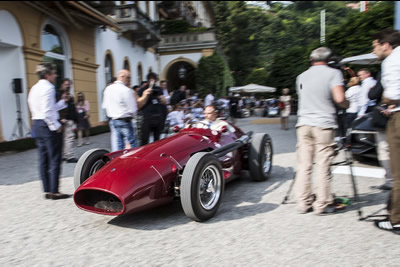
x: 316, y: 125
x: 153, y: 106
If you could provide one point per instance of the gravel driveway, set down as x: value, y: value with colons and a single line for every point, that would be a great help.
x: 251, y: 228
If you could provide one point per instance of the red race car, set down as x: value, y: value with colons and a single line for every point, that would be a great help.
x: 193, y: 165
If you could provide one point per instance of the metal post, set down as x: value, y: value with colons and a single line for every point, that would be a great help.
x: 397, y: 15
x: 322, y: 40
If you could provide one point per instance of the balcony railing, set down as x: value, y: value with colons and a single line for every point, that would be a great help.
x: 131, y: 19
x: 191, y: 37
x: 187, y: 41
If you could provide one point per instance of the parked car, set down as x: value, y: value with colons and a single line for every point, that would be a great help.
x: 192, y: 165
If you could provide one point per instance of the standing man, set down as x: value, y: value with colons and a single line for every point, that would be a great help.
x: 68, y: 118
x: 208, y: 100
x: 121, y: 107
x: 46, y: 129
x: 164, y: 87
x: 178, y: 95
x: 318, y: 88
x: 152, y: 104
x: 386, y: 47
x: 367, y: 82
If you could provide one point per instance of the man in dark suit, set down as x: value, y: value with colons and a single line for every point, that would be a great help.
x: 46, y: 128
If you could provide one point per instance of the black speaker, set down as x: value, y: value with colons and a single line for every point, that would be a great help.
x: 17, y: 86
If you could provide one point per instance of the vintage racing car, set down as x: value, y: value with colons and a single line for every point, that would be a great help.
x: 192, y: 165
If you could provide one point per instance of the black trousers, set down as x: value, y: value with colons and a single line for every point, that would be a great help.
x: 49, y: 145
x: 151, y: 124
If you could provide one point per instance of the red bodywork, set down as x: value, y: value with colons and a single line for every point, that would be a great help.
x: 145, y: 177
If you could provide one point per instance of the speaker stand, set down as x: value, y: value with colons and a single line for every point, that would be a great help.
x: 20, y: 125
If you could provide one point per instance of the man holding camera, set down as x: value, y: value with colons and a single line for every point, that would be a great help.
x: 152, y: 104
x: 319, y: 88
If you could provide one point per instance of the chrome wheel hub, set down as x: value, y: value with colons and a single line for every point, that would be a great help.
x: 210, y: 187
x: 267, y: 159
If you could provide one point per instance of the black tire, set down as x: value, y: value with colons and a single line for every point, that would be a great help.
x: 260, y: 157
x: 88, y: 164
x: 199, y: 168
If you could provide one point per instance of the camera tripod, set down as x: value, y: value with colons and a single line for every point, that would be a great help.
x: 19, y: 124
x: 349, y: 162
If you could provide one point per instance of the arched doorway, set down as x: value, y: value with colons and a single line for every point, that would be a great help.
x: 181, y: 73
x: 54, y: 41
x: 12, y: 66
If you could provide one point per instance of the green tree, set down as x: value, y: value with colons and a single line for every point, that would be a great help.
x: 213, y: 76
x: 257, y: 76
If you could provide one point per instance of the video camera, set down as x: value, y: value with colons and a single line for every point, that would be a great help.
x: 334, y: 62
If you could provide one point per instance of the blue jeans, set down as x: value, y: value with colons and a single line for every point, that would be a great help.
x: 124, y: 129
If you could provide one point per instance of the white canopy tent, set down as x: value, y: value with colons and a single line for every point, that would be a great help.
x: 365, y: 59
x: 252, y: 88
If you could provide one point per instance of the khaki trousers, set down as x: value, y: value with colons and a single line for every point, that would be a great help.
x: 314, y: 143
x: 393, y: 138
x: 383, y: 154
x: 69, y: 139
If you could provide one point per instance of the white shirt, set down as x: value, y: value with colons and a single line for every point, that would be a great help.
x: 391, y: 76
x: 43, y: 106
x: 364, y: 101
x: 118, y: 101
x: 218, y: 124
x: 176, y: 118
x: 166, y: 95
x: 352, y: 94
x: 208, y: 100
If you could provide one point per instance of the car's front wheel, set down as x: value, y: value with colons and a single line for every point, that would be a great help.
x: 260, y: 157
x: 202, y: 186
x: 88, y: 164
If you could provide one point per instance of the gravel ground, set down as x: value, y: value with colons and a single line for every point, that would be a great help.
x: 251, y: 228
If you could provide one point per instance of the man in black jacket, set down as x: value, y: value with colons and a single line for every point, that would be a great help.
x: 152, y: 105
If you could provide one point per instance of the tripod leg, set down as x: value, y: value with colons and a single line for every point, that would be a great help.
x: 290, y: 189
x: 356, y: 198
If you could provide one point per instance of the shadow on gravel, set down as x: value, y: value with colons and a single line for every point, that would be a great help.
x: 241, y: 199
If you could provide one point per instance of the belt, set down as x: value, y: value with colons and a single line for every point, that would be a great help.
x: 126, y: 119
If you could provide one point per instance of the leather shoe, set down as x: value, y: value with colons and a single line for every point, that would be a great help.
x: 55, y: 196
x: 72, y: 160
x: 382, y: 187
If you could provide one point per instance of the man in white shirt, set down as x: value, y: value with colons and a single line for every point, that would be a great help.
x: 121, y: 107
x: 208, y: 100
x: 46, y: 128
x: 386, y: 46
x: 367, y: 82
x: 211, y: 119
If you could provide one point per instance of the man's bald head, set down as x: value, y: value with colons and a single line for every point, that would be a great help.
x: 125, y: 77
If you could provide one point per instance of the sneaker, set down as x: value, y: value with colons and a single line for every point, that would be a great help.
x: 79, y: 145
x: 385, y: 224
x: 87, y: 143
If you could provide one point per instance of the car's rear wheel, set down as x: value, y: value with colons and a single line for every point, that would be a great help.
x: 260, y: 157
x: 202, y: 186
x: 88, y: 164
